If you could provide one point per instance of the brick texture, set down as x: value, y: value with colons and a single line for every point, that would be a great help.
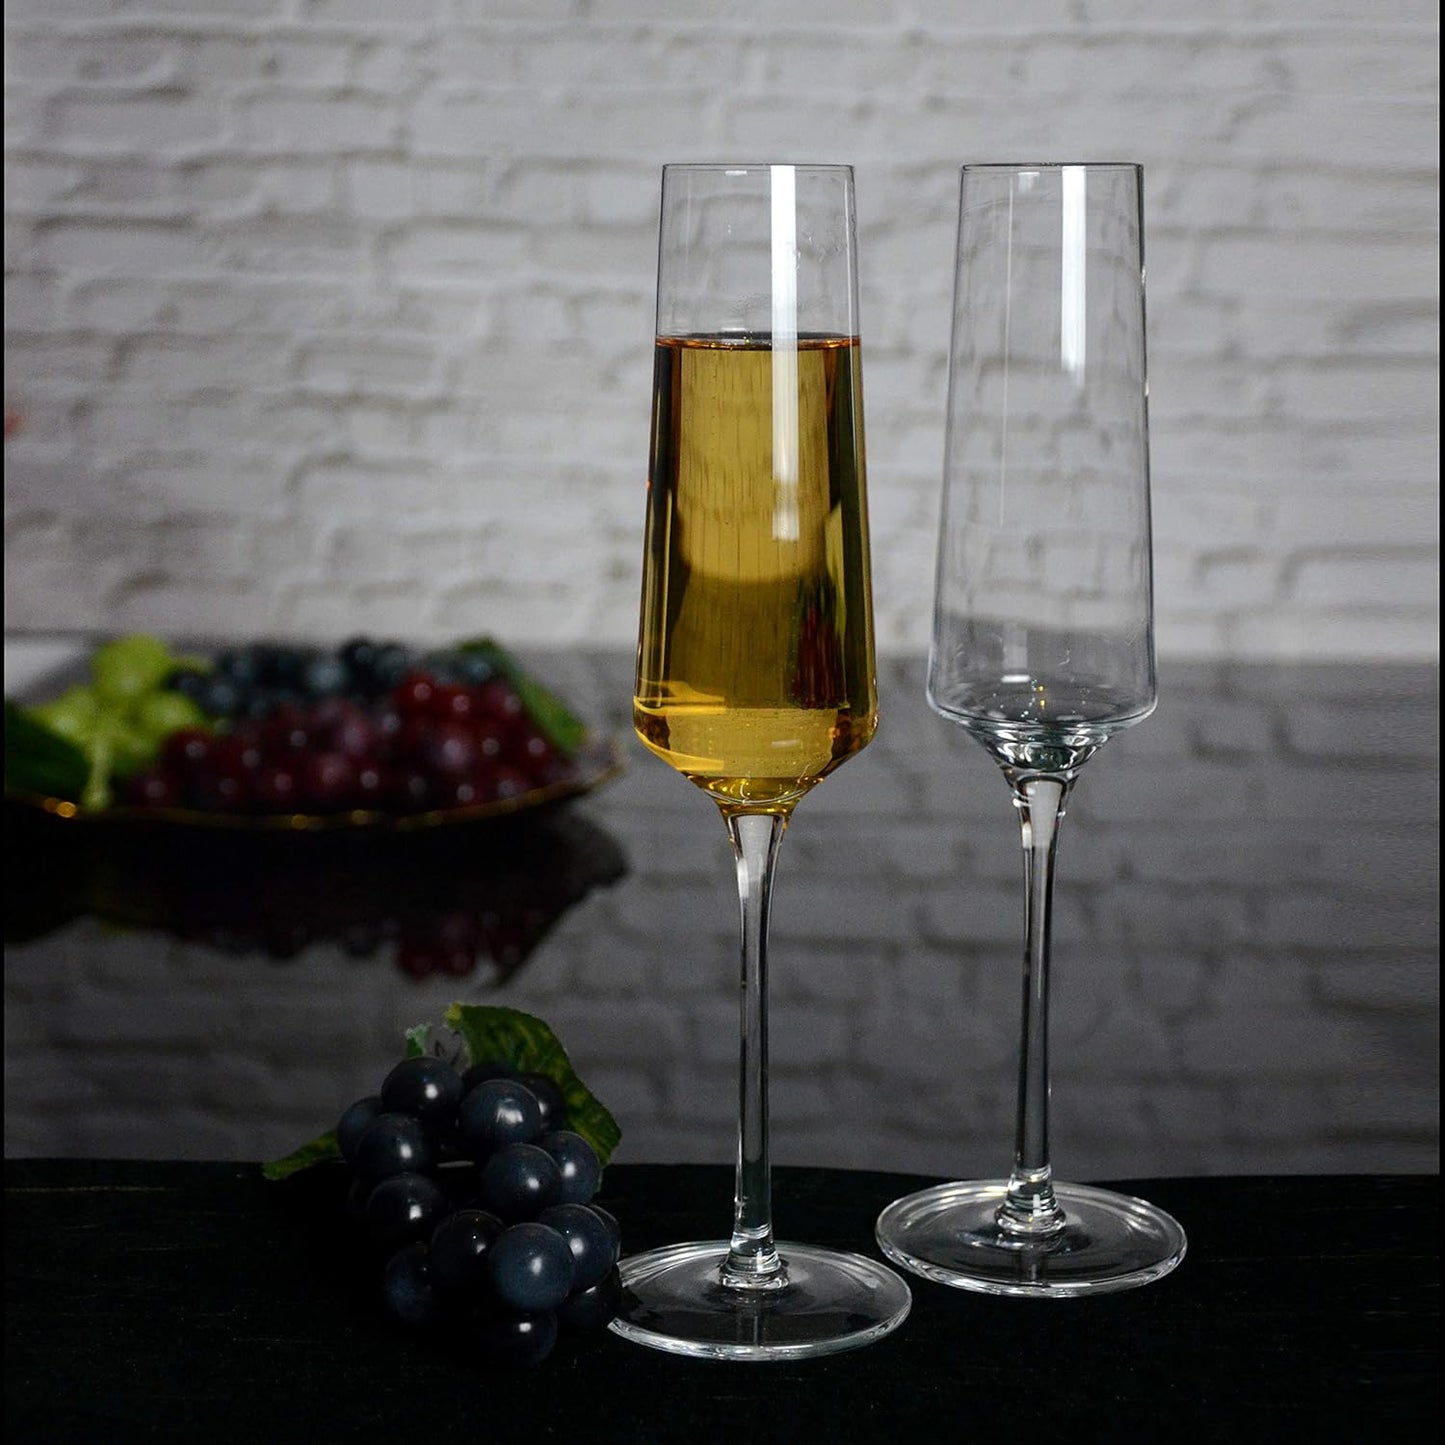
x: 327, y: 310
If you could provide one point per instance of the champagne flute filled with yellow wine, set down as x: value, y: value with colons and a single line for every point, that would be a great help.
x: 755, y: 671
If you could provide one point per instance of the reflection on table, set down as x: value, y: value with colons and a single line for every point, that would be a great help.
x: 1246, y: 952
x: 458, y: 901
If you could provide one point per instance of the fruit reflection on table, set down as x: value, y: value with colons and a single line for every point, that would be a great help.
x: 468, y: 900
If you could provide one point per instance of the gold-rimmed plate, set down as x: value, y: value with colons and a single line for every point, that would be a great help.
x: 596, y: 762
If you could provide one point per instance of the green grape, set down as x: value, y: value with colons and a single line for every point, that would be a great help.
x: 120, y: 721
x: 130, y: 749
x: 158, y: 714
x: 73, y: 715
x: 129, y: 667
x: 97, y: 786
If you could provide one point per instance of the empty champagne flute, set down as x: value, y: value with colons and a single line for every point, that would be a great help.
x: 1042, y: 645
x: 755, y: 668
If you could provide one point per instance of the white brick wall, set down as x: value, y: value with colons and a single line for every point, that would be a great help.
x: 329, y: 314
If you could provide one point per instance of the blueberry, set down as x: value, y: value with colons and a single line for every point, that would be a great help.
x: 460, y: 1245
x: 241, y: 664
x: 550, y: 1097
x: 392, y: 1144
x: 391, y: 663
x: 189, y: 681
x: 519, y: 1340
x: 577, y: 1163
x: 324, y: 676
x: 357, y: 655
x: 256, y: 703
x: 440, y: 663
x: 262, y: 701
x: 519, y: 1182
x: 530, y: 1267
x: 354, y: 1123
x: 428, y: 1089
x: 404, y: 1208
x: 589, y: 1239
x: 219, y: 695
x: 407, y: 1288
x: 498, y: 1113
x: 472, y: 668
x: 593, y: 1308
x: 282, y: 663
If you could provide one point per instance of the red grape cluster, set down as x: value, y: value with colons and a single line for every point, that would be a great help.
x: 428, y: 743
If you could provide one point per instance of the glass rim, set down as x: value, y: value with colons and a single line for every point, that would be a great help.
x: 1013, y: 167
x: 745, y: 167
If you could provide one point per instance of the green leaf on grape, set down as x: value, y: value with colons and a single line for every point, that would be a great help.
x: 322, y: 1150
x: 509, y: 1036
x: 554, y: 719
x: 416, y: 1039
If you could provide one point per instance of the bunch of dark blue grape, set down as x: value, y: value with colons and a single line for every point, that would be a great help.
x: 479, y: 1199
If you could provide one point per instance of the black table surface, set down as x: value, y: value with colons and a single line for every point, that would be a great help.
x: 196, y: 1301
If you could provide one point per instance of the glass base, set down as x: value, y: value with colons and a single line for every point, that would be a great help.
x: 1109, y: 1241
x: 674, y: 1299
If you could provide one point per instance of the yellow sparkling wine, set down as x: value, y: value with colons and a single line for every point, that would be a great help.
x: 755, y: 672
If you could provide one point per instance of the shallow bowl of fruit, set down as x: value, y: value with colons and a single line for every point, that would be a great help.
x: 280, y: 737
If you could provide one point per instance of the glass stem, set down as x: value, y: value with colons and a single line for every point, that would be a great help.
x: 752, y: 1260
x: 1029, y: 1210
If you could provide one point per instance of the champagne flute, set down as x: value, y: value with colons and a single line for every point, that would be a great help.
x: 1042, y: 645
x: 755, y: 670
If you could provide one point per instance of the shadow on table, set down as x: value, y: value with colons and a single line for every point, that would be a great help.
x: 473, y: 900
